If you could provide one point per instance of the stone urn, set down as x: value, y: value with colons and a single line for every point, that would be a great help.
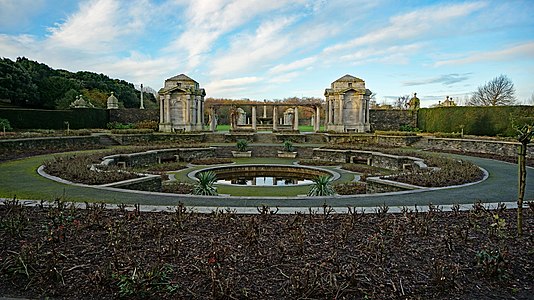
x: 288, y: 151
x: 240, y: 154
x: 287, y: 154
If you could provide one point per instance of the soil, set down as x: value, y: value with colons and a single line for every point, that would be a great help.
x: 96, y: 253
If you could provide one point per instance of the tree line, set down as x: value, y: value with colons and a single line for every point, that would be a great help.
x: 27, y: 83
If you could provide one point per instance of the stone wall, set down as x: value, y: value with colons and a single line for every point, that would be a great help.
x: 375, y: 159
x: 68, y: 142
x: 474, y: 146
x: 133, y: 115
x: 264, y: 151
x: 381, y: 119
x: 182, y: 138
x: 151, y: 183
x: 375, y: 185
x: 157, y: 156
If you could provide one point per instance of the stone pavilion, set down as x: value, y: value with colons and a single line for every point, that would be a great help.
x: 181, y: 105
x: 347, y: 105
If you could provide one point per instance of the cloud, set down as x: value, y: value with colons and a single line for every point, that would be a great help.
x: 298, y: 64
x: 231, y: 85
x: 286, y: 77
x: 99, y: 26
x: 410, y: 25
x: 516, y: 52
x: 447, y: 79
x: 15, y: 13
x: 249, y: 51
x: 208, y: 20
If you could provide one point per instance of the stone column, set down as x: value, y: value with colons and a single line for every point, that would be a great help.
x: 161, y: 110
x: 199, y: 111
x: 186, y: 108
x: 331, y: 107
x: 275, y: 118
x: 167, y: 108
x: 265, y: 111
x: 326, y: 114
x: 296, y: 118
x: 254, y: 127
x: 340, y: 109
x: 213, y: 126
x: 317, y: 124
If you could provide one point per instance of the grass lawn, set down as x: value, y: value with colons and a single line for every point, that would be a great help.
x: 302, y: 128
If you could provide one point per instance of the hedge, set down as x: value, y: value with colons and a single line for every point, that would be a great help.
x: 55, y: 119
x: 476, y: 120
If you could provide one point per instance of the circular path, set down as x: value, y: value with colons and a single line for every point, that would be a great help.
x: 19, y: 178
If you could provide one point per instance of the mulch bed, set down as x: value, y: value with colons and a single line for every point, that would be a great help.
x: 95, y: 253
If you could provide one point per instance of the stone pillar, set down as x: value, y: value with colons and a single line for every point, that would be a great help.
x: 331, y: 111
x: 275, y: 118
x: 161, y: 110
x: 167, y: 108
x: 265, y: 111
x: 202, y: 112
x: 254, y: 127
x: 296, y: 118
x: 340, y: 109
x: 317, y: 123
x: 199, y: 111
x: 213, y: 125
x: 186, y: 108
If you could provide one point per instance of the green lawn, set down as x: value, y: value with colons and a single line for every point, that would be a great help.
x: 20, y: 179
x: 302, y: 128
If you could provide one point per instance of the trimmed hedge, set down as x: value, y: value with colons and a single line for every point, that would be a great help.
x: 476, y: 120
x: 55, y: 119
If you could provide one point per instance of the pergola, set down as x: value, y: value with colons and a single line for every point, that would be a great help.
x: 275, y: 115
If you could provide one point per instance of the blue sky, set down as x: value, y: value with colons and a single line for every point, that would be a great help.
x: 276, y: 49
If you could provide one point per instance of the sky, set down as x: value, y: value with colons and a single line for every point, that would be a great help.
x: 267, y: 49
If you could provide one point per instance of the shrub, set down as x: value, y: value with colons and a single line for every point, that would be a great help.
x: 288, y: 146
x: 321, y: 187
x: 79, y: 132
x: 131, y: 131
x: 490, y: 121
x: 165, y: 167
x: 117, y: 125
x: 448, y: 172
x: 177, y: 187
x: 317, y: 162
x: 5, y: 125
x: 146, y: 124
x: 77, y: 168
x: 350, y: 188
x: 211, y: 161
x: 242, y: 145
x: 448, y: 134
x: 409, y: 128
x: 395, y: 133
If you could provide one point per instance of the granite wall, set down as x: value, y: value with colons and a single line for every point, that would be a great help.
x: 391, y: 119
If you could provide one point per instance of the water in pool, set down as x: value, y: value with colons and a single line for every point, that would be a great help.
x: 264, y: 181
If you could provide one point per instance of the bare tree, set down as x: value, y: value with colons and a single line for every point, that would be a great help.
x: 499, y: 91
x: 402, y: 102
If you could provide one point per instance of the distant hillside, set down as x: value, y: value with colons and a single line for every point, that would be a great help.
x: 31, y: 84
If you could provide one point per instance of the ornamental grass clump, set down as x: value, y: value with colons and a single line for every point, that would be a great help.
x: 205, y: 183
x: 242, y: 145
x: 321, y: 187
x: 288, y: 146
